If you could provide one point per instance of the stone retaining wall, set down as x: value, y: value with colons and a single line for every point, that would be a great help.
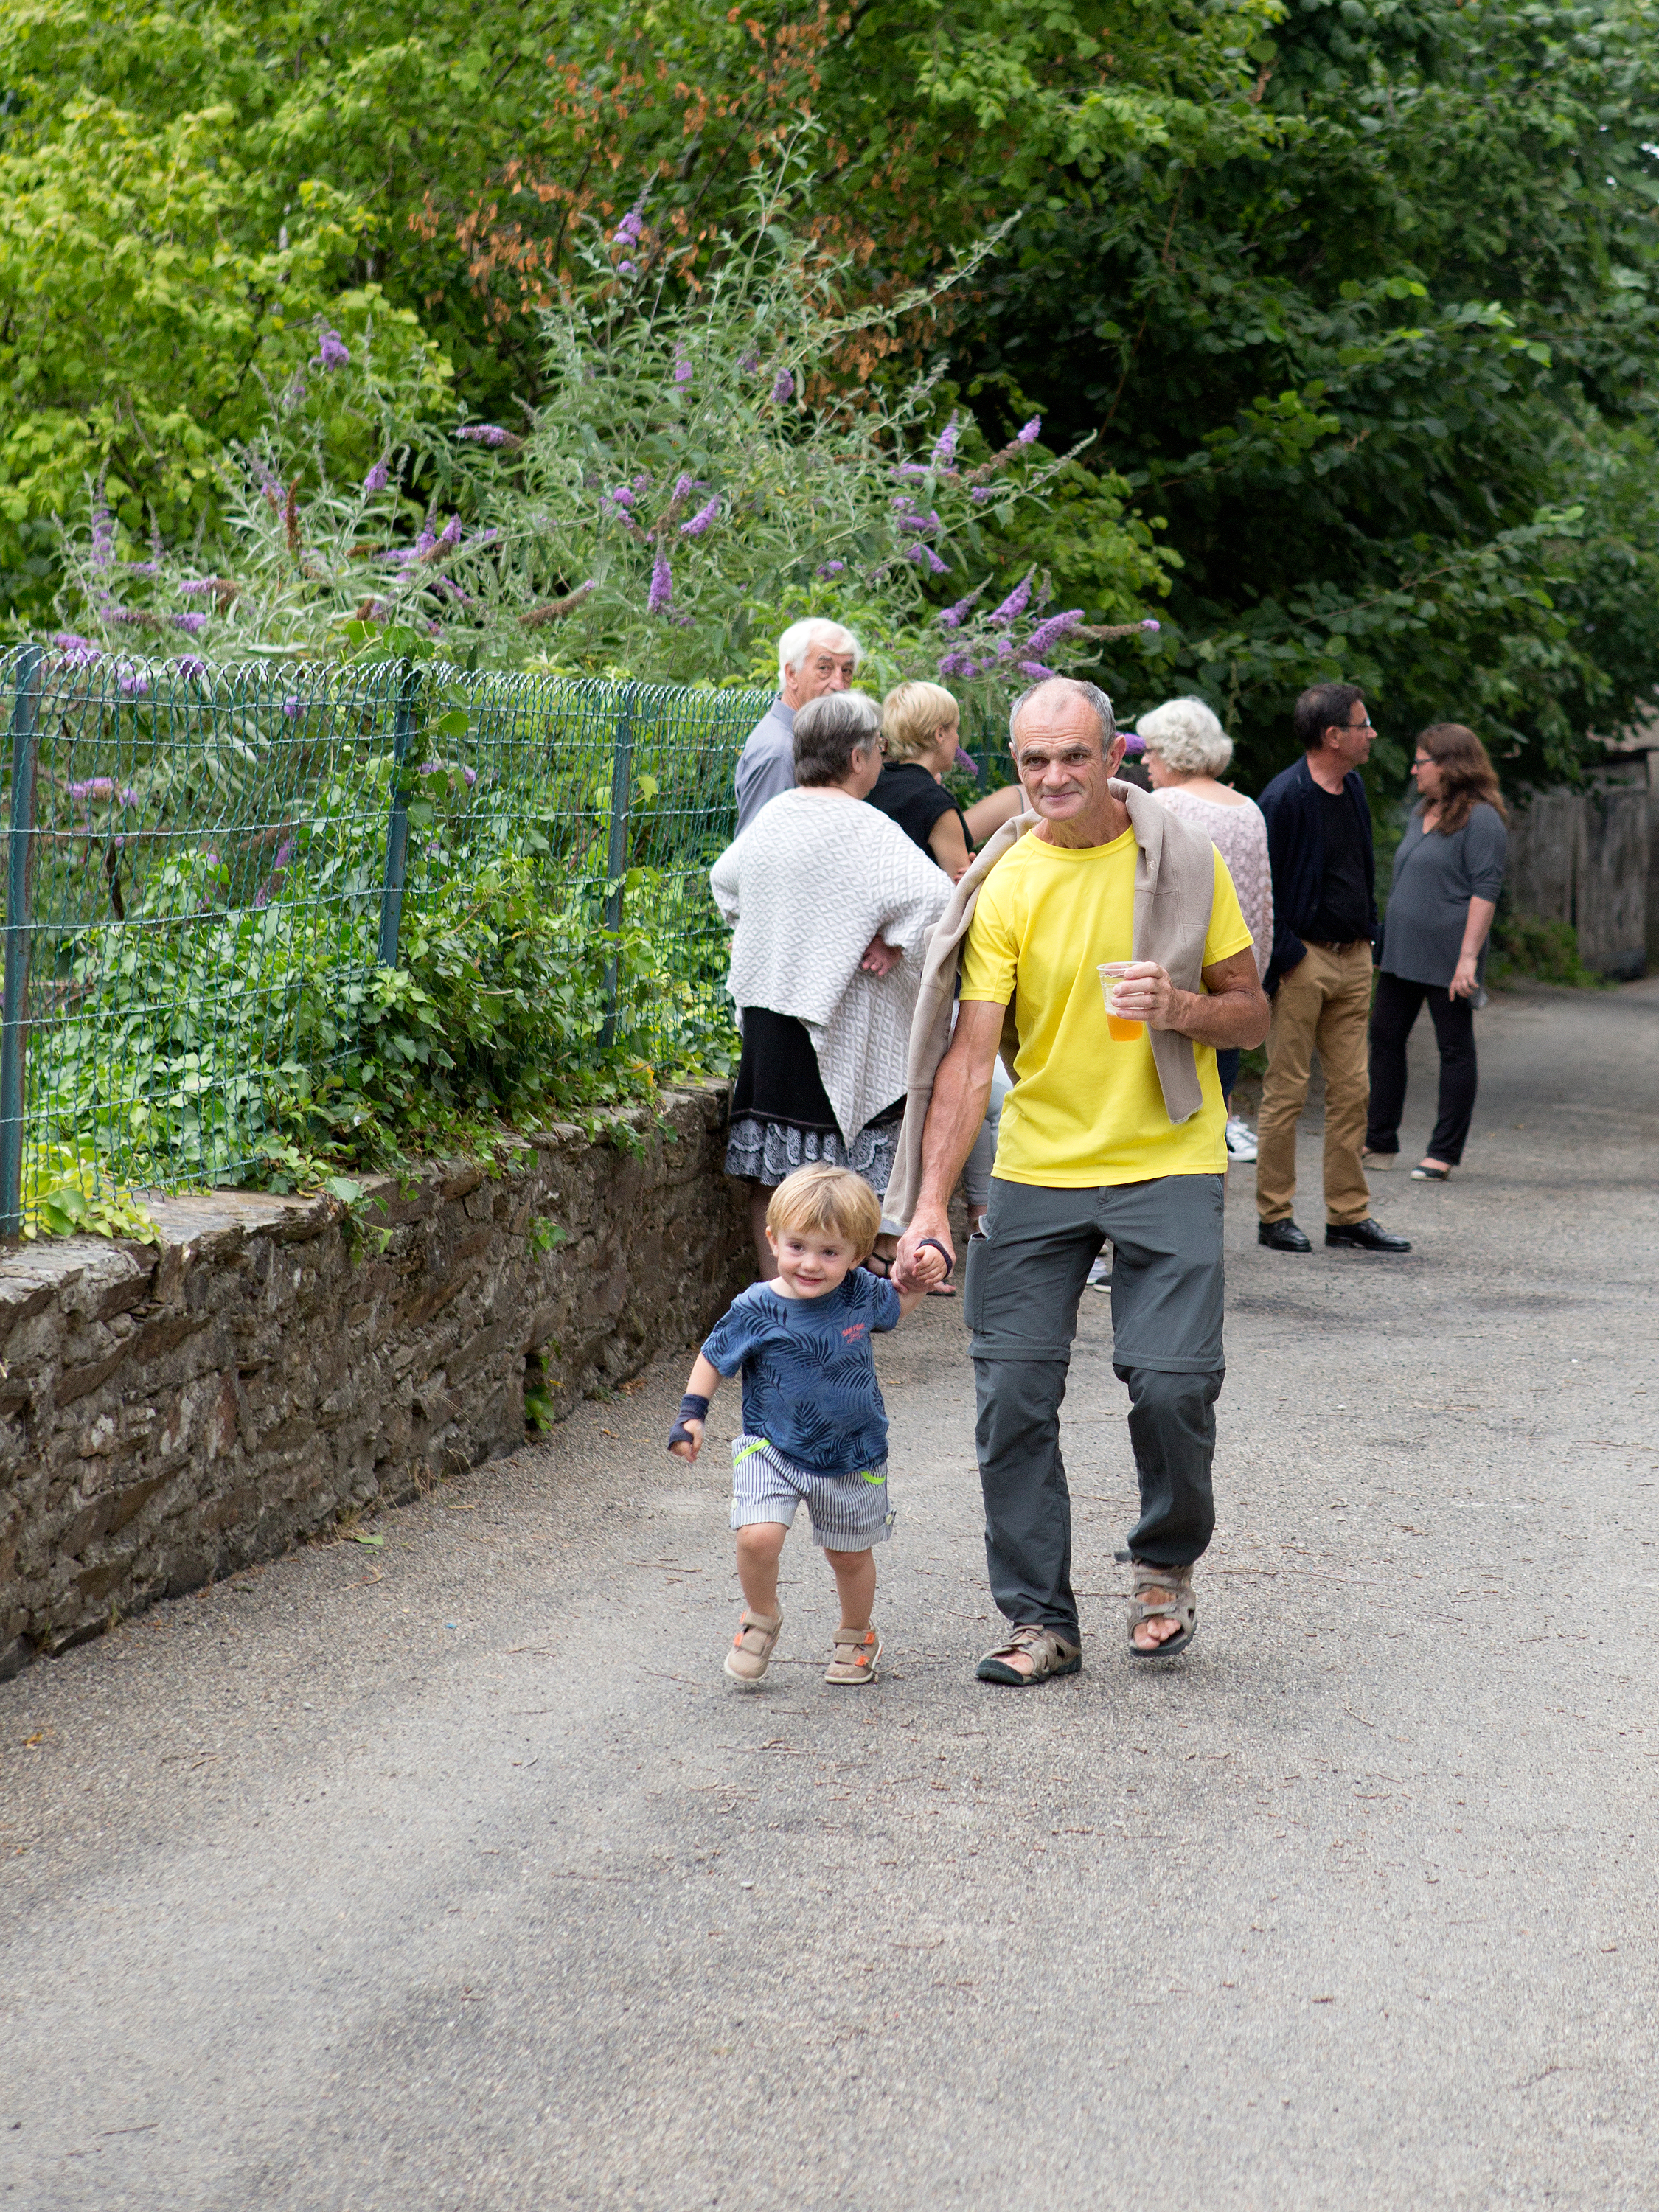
x: 169, y: 1413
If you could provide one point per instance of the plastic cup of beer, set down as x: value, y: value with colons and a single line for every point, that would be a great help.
x: 1116, y: 1028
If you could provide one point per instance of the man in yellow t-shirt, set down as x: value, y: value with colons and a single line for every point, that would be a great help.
x: 1089, y: 1152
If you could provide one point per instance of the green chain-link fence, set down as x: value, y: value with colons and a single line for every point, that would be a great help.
x: 187, y: 843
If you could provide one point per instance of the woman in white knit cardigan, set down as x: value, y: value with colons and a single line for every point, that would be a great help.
x: 831, y: 905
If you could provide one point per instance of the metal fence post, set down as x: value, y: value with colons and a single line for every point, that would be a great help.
x: 13, y: 1028
x: 397, y: 826
x: 616, y: 858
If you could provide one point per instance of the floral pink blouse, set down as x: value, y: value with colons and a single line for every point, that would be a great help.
x: 1240, y: 836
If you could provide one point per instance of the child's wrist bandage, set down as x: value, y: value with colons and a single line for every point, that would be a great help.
x: 692, y: 1408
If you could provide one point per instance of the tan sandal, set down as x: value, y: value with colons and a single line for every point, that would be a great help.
x: 753, y: 1646
x: 1049, y: 1653
x: 1161, y: 1593
x: 855, y: 1651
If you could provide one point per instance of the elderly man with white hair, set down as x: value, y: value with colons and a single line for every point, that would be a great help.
x: 815, y: 657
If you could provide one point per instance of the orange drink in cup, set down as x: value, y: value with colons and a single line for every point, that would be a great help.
x: 1116, y: 1028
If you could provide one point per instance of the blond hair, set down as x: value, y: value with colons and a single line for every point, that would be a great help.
x: 912, y: 716
x: 821, y: 1197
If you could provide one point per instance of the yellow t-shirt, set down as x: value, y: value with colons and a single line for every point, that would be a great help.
x: 1084, y: 1110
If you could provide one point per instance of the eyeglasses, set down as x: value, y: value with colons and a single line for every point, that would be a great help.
x: 1366, y: 724
x: 1423, y: 760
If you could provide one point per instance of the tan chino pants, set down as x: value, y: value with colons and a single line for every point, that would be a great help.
x: 1324, y: 1002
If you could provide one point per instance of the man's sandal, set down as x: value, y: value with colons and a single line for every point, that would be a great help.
x: 1161, y: 1593
x: 753, y: 1646
x: 855, y: 1654
x: 1048, y: 1653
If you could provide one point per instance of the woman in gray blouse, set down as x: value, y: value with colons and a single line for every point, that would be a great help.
x: 1447, y: 875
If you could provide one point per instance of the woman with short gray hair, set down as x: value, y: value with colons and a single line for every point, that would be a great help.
x: 1186, y: 751
x: 831, y: 905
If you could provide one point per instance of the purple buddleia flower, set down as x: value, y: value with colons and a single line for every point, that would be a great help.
x: 452, y: 535
x: 142, y: 568
x: 134, y: 684
x: 965, y: 764
x: 103, y: 537
x: 979, y: 493
x: 1048, y: 633
x: 377, y: 479
x: 471, y: 776
x: 783, y: 388
x: 192, y: 623
x: 622, y: 497
x: 284, y: 853
x: 910, y: 469
x: 1013, y: 606
x: 331, y: 352
x: 1150, y: 625
x: 128, y: 796
x: 936, y: 566
x: 434, y: 629
x: 832, y: 568
x: 77, y: 651
x: 682, y: 368
x: 662, y: 587
x: 626, y: 232
x: 953, y: 617
x: 122, y: 614
x: 1004, y: 649
x: 946, y: 450
x: 192, y: 667
x: 702, y: 519
x: 198, y: 585
x: 425, y: 544
x: 1026, y: 434
x: 956, y: 663
x: 1034, y: 669
x: 929, y: 522
x: 626, y: 269
x: 749, y: 363
x: 292, y: 707
x: 485, y: 434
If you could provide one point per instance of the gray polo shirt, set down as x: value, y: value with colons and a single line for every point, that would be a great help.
x: 1435, y: 876
x: 766, y: 765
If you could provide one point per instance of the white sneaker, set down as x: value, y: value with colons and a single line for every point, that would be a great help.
x: 1241, y: 1141
x: 1100, y: 1275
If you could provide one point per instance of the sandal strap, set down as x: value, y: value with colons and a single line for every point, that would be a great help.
x: 1162, y: 1593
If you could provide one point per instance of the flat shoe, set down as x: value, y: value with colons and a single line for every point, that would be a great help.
x: 1364, y: 1236
x: 1423, y: 1173
x: 1281, y: 1237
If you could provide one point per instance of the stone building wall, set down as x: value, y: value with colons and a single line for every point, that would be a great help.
x: 169, y: 1413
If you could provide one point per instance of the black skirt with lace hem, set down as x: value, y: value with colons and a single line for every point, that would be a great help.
x: 781, y: 1117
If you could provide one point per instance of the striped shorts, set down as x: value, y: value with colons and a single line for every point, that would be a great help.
x: 850, y: 1512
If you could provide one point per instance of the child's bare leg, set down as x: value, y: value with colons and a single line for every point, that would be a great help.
x: 759, y: 1199
x: 856, y: 1583
x: 760, y: 1546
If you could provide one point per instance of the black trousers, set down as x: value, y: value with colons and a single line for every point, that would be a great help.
x: 1393, y: 1011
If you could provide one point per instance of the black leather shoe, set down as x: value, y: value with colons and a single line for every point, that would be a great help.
x: 1281, y: 1237
x: 1366, y: 1237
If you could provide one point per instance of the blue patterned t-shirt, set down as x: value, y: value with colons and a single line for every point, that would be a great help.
x: 809, y: 1373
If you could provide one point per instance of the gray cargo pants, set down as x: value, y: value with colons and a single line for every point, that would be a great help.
x: 1024, y: 1276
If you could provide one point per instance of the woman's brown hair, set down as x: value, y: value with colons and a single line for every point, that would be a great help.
x: 1467, y: 775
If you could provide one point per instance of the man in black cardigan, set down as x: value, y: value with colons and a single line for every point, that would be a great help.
x: 1319, y: 839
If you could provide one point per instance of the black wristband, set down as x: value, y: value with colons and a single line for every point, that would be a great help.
x: 692, y: 1408
x: 949, y: 1264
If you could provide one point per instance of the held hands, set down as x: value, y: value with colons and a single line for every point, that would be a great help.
x: 880, y: 958
x: 1143, y: 992
x: 916, y: 1268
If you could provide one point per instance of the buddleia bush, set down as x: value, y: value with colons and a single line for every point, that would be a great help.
x: 710, y: 458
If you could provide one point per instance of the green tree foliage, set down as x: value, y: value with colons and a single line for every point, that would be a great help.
x: 1355, y: 302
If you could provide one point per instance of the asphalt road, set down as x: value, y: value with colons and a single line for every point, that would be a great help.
x: 449, y: 1872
